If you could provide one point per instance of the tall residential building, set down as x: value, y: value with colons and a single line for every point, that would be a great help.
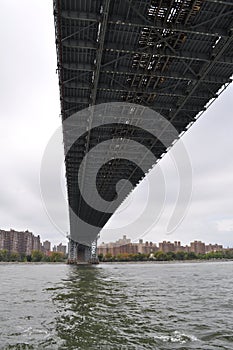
x: 22, y: 242
x: 213, y: 248
x: 197, y: 247
x: 167, y: 246
x: 61, y: 248
x: 47, y: 246
x: 124, y: 245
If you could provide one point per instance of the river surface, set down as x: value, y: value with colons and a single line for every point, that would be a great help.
x: 117, y: 306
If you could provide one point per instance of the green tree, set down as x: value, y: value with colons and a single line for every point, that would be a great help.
x: 46, y: 258
x: 4, y: 255
x: 228, y: 254
x: 22, y: 257
x: 191, y: 256
x: 101, y: 257
x: 14, y: 256
x: 180, y: 255
x: 171, y: 256
x: 57, y: 257
x: 160, y: 256
x: 37, y: 256
x: 108, y: 257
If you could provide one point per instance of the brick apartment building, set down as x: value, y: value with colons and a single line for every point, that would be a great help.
x: 22, y: 242
x: 46, y: 246
x: 197, y: 247
x: 60, y: 248
x: 124, y: 245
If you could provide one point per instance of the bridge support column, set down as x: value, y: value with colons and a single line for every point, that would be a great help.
x: 80, y: 254
x: 72, y: 252
x: 94, y: 256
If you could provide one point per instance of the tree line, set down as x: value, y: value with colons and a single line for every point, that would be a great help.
x: 35, y: 256
x: 170, y: 256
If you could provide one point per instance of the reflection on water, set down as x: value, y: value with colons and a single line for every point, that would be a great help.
x: 86, y: 321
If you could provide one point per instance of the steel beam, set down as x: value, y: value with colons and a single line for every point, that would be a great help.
x: 203, y: 74
x: 127, y: 70
x: 80, y: 44
x: 78, y: 100
x: 99, y: 53
x: 214, y: 18
x: 81, y: 16
x: 159, y: 106
x: 166, y: 52
x: 138, y: 90
x: 159, y: 25
x: 78, y: 67
x: 222, y: 2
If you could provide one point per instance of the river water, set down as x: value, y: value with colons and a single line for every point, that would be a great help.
x: 117, y: 306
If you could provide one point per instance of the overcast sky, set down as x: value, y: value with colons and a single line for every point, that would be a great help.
x: 30, y: 110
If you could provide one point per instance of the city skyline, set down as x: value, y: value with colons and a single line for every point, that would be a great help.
x: 30, y: 115
x: 125, y: 240
x: 124, y: 245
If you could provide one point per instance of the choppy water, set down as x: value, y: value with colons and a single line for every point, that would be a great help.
x: 117, y: 306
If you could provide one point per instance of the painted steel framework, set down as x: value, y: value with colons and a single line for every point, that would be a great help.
x: 174, y: 56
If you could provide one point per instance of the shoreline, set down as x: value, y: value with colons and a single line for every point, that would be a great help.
x: 32, y: 262
x: 166, y: 262
x: 117, y: 262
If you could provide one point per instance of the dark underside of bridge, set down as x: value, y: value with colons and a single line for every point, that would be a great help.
x: 173, y: 56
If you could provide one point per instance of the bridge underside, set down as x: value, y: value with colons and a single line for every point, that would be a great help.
x: 174, y: 57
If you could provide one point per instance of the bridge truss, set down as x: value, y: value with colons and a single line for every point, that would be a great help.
x: 173, y: 56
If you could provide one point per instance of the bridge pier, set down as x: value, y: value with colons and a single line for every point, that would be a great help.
x: 80, y: 254
x: 72, y: 252
x: 94, y: 256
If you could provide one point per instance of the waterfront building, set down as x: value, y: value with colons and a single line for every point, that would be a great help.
x: 197, y: 247
x: 166, y: 247
x: 22, y: 242
x: 147, y: 247
x: 124, y: 245
x: 212, y: 248
x: 46, y: 246
x: 61, y: 248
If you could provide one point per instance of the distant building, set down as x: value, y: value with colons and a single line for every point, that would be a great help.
x: 147, y: 247
x: 209, y: 248
x: 47, y: 246
x: 166, y: 247
x: 197, y: 247
x: 124, y: 245
x: 61, y: 248
x: 22, y: 242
